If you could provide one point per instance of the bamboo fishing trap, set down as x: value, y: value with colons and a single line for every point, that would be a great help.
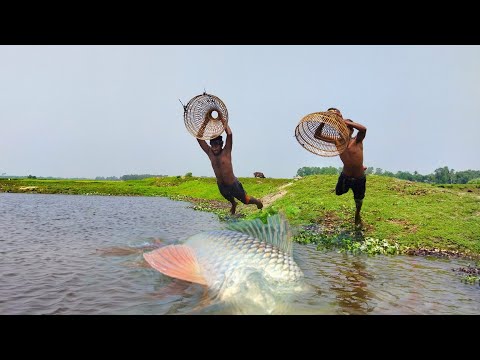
x: 323, y: 133
x: 203, y: 114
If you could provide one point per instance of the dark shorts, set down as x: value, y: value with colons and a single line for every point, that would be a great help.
x: 235, y: 190
x: 356, y: 184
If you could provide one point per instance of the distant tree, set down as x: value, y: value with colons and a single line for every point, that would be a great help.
x: 464, y: 177
x: 31, y: 177
x: 442, y: 175
x: 188, y: 174
x: 430, y: 178
x: 404, y: 175
x: 474, y: 181
x: 330, y: 170
x: 452, y: 177
x: 139, y: 177
x: 305, y: 171
x: 419, y: 177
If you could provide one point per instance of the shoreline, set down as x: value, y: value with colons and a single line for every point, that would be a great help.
x: 423, y: 219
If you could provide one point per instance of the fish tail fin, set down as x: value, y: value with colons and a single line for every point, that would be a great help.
x: 178, y: 261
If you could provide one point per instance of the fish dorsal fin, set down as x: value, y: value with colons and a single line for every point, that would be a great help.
x: 178, y: 261
x: 276, y: 231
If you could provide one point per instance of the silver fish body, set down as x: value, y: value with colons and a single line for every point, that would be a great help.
x: 221, y: 253
x: 246, y: 260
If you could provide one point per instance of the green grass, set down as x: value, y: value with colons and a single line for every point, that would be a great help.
x: 413, y: 215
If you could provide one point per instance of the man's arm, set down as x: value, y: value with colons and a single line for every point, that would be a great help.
x: 202, y: 128
x: 318, y: 135
x: 228, y: 143
x: 362, y: 130
x: 203, y: 144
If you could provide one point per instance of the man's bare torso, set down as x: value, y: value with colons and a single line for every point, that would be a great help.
x: 352, y: 159
x: 222, y: 167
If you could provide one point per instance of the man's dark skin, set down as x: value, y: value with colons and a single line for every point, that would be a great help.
x: 221, y: 160
x: 352, y: 156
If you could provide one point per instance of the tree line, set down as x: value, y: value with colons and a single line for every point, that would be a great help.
x: 442, y: 175
x: 129, y: 177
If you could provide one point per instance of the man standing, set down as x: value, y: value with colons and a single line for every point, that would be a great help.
x: 221, y: 159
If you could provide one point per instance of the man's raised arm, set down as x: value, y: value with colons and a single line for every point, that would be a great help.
x: 228, y: 143
x: 362, y: 130
x: 203, y: 144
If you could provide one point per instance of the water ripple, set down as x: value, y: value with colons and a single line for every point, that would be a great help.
x: 83, y: 255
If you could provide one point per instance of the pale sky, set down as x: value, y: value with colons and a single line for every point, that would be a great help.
x: 87, y: 111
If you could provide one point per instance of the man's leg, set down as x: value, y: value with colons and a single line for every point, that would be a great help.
x: 358, y: 195
x: 358, y: 219
x: 342, y: 186
x: 234, y: 207
x: 226, y: 190
x: 241, y: 195
x: 252, y: 200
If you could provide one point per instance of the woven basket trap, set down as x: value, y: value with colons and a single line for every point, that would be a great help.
x: 199, y: 116
x: 323, y: 133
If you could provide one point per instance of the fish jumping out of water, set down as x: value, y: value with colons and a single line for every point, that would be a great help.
x: 215, y: 257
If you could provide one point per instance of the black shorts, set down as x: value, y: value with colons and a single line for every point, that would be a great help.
x: 356, y: 184
x: 235, y: 190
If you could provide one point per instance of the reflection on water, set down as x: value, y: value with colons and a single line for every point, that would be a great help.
x: 83, y: 255
x: 351, y: 289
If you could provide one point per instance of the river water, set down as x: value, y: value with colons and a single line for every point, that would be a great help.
x: 67, y: 254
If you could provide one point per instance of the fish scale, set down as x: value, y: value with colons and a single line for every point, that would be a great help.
x: 221, y: 258
x: 219, y: 252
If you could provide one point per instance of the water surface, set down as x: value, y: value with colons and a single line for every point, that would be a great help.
x: 68, y: 254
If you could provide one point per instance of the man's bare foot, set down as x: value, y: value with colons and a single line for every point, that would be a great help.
x: 259, y: 205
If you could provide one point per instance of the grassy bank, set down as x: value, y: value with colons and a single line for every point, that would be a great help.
x: 411, y: 214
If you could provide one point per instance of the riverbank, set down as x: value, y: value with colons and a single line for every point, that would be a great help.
x: 398, y: 215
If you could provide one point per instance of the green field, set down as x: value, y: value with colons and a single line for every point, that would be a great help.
x: 414, y: 215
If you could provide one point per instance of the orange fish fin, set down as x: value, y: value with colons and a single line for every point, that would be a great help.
x: 178, y: 261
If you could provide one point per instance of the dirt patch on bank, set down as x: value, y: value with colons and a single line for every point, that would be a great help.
x: 449, y: 254
x: 210, y: 204
x: 28, y: 188
x: 271, y: 198
x: 405, y: 224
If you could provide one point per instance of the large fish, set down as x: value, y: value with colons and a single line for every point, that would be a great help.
x: 214, y: 258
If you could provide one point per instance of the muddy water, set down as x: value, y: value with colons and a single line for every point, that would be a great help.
x: 83, y: 255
